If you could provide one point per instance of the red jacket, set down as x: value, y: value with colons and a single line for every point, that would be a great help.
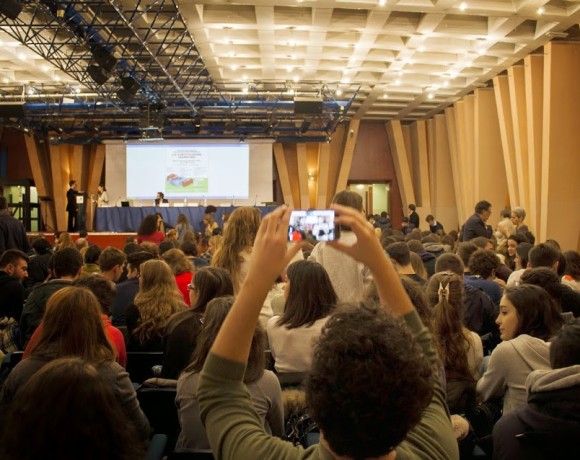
x: 155, y: 237
x: 182, y: 280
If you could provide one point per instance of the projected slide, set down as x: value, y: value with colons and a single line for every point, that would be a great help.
x: 188, y: 170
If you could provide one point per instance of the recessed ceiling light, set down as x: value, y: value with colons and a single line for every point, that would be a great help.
x: 296, y: 79
x: 289, y: 68
x: 339, y: 92
x: 22, y: 56
x: 385, y: 96
x: 5, y: 80
x: 463, y: 6
x: 400, y: 73
x: 430, y: 96
x: 56, y: 78
x: 397, y: 82
x: 234, y: 67
x: 421, y: 48
x: 541, y: 10
x: 382, y: 2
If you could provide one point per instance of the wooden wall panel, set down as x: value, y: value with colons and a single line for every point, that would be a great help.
x: 491, y: 183
x: 284, y: 174
x: 312, y: 162
x: 349, y: 144
x: 460, y: 136
x: 420, y: 164
x: 534, y: 80
x: 335, y: 160
x: 506, y: 129
x: 444, y: 203
x: 400, y: 157
x: 59, y: 159
x: 560, y: 216
x: 323, y: 200
x: 470, y: 163
x: 301, y: 158
x: 517, y: 87
x: 458, y: 182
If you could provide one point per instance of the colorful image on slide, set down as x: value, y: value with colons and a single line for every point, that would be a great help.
x: 179, y: 184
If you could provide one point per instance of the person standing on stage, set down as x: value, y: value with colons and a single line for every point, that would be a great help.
x: 102, y: 197
x: 71, y: 206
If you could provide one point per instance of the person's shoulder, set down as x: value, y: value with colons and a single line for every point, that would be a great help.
x: 271, y: 323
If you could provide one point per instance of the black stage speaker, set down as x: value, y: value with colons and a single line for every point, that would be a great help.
x: 307, y: 106
x: 98, y: 74
x: 11, y: 8
x: 11, y: 110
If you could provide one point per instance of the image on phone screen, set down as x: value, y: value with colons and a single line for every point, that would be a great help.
x: 317, y: 224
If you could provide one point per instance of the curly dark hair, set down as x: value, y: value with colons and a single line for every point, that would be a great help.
x: 362, y: 409
x: 148, y: 225
x: 484, y: 263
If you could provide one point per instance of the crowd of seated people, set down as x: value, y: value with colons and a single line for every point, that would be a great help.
x: 489, y: 303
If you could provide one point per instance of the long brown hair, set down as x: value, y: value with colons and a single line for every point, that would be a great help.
x: 177, y: 261
x: 73, y: 326
x: 310, y: 296
x: 445, y: 295
x: 211, y: 282
x: 158, y: 298
x: 215, y: 315
x: 74, y: 413
x: 239, y: 235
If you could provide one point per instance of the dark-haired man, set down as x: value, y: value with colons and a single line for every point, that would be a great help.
x: 476, y: 225
x: 12, y: 231
x: 400, y: 255
x: 72, y: 207
x: 434, y: 225
x: 111, y: 261
x: 547, y: 255
x: 13, y: 271
x: 413, y: 216
x: 66, y: 264
x: 127, y: 290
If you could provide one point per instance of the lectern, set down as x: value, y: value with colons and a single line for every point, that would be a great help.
x: 82, y: 210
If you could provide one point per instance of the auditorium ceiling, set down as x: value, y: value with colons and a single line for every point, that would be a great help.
x: 87, y: 70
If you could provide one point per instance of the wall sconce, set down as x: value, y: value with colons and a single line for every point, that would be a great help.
x: 311, y: 177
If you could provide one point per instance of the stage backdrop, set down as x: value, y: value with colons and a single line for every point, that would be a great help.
x: 259, y: 172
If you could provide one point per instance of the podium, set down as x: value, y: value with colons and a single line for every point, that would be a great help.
x: 81, y: 211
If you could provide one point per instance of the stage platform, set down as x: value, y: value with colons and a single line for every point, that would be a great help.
x: 101, y: 239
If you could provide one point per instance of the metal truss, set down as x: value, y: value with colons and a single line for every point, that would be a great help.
x: 177, y: 96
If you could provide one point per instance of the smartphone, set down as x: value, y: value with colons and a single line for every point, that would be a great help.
x: 317, y: 224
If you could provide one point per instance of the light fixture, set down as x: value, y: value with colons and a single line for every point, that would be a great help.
x: 11, y: 8
x: 463, y: 6
x: 541, y: 10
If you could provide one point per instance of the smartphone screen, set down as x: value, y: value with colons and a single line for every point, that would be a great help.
x: 317, y: 224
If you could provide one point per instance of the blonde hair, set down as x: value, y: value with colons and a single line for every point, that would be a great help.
x: 216, y: 241
x: 64, y: 241
x: 158, y: 298
x: 239, y: 235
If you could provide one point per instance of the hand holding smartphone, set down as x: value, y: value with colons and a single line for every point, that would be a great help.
x: 317, y: 224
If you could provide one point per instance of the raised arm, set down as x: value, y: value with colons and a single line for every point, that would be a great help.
x: 269, y: 257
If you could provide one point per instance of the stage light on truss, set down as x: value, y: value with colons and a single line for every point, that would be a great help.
x: 10, y: 8
x: 98, y: 74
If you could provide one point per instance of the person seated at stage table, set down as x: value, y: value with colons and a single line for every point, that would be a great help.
x: 157, y: 300
x: 148, y: 230
x: 160, y: 198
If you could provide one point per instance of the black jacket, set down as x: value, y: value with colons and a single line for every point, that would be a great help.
x: 474, y: 227
x: 35, y: 306
x: 11, y: 296
x: 71, y: 200
x: 480, y: 315
x: 12, y: 233
x: 124, y: 296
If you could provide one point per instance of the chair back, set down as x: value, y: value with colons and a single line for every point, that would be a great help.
x: 140, y: 364
x: 158, y: 405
